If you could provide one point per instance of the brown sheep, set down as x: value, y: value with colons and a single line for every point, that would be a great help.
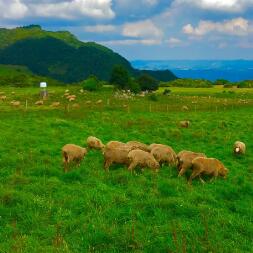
x: 72, y: 153
x: 239, y: 148
x: 15, y: 103
x: 94, y: 143
x: 75, y: 105
x: 138, y: 145
x: 55, y: 104
x: 164, y: 155
x: 154, y: 145
x: 185, y: 159
x: 40, y: 102
x: 99, y: 102
x: 116, y: 152
x: 143, y: 159
x: 185, y: 123
x: 207, y: 166
x: 3, y: 98
x: 185, y: 108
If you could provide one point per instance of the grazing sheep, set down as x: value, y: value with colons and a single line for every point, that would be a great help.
x: 143, y: 159
x: 138, y: 145
x: 185, y: 108
x: 55, y: 104
x: 185, y: 159
x: 3, y: 98
x: 185, y: 123
x: 40, y: 102
x: 72, y: 153
x: 88, y: 102
x: 15, y: 103
x: 207, y: 166
x: 94, y: 143
x: 99, y: 102
x: 239, y: 148
x: 75, y: 105
x: 116, y: 152
x: 164, y: 155
x: 155, y: 145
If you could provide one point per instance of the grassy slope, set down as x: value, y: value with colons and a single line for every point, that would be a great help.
x: 44, y: 210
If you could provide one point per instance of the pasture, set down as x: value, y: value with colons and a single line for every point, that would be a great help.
x: 43, y: 209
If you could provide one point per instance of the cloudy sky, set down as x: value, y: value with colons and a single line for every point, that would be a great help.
x: 146, y: 29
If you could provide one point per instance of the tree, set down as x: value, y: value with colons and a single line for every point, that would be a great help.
x: 92, y: 83
x: 120, y: 77
x: 147, y: 82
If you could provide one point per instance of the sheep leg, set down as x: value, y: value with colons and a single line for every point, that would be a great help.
x: 65, y: 161
x: 202, y: 181
x: 182, y: 171
x: 194, y: 174
x: 107, y: 164
x: 132, y: 166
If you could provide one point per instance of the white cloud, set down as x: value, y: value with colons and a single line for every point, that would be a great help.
x: 142, y: 29
x: 100, y: 28
x: 237, y: 27
x: 173, y: 42
x: 74, y: 9
x: 218, y: 5
x: 147, y: 42
x: 12, y: 9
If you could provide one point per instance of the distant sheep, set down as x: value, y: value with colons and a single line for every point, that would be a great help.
x: 75, y: 105
x: 94, y: 143
x: 3, y: 98
x: 207, y: 166
x: 40, y: 102
x: 55, y: 104
x: 164, y: 155
x: 138, y: 145
x: 88, y: 102
x: 143, y: 159
x: 185, y: 108
x: 15, y: 103
x: 239, y: 148
x: 185, y: 159
x: 185, y: 123
x: 99, y: 102
x: 72, y: 153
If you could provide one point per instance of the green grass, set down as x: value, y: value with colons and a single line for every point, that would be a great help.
x: 86, y: 210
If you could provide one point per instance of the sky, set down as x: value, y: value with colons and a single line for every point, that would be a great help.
x: 146, y: 29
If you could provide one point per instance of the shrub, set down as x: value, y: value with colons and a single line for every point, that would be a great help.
x: 153, y: 97
x: 92, y: 84
x: 147, y: 82
x: 166, y: 92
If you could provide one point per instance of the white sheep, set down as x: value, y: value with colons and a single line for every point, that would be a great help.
x: 95, y: 143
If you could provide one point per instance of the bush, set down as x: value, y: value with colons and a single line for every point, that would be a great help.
x: 134, y: 86
x: 153, y: 97
x: 92, y: 84
x: 166, y: 92
x: 120, y: 77
x: 191, y: 83
x: 147, y: 82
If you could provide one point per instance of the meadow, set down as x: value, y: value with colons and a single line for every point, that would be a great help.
x: 43, y: 209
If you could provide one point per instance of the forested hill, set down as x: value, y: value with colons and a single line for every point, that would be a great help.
x: 60, y: 55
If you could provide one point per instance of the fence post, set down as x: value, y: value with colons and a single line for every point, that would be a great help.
x: 26, y: 104
x: 150, y: 108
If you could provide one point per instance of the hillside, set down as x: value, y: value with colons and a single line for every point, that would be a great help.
x: 61, y: 55
x: 19, y: 76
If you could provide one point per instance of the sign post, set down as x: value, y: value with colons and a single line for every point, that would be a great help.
x: 43, y: 90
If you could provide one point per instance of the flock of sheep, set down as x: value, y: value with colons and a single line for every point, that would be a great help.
x: 134, y: 153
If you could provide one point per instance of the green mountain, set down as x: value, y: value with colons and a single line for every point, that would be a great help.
x: 60, y: 55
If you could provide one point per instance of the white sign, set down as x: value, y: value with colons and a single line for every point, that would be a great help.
x: 43, y: 85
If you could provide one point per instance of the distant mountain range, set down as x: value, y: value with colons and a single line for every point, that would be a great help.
x: 60, y: 55
x: 232, y: 70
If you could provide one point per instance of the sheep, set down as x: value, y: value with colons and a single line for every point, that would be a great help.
x: 75, y: 105
x: 72, y: 153
x: 138, y: 145
x: 88, y: 102
x: 185, y: 159
x: 40, y: 102
x: 55, y: 104
x: 154, y: 145
x: 3, y: 98
x: 185, y: 108
x: 99, y: 102
x: 116, y: 152
x: 15, y: 103
x: 143, y: 159
x: 164, y: 154
x: 207, y: 166
x: 239, y: 148
x: 185, y: 123
x: 94, y: 143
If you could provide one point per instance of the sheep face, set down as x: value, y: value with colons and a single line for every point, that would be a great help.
x: 223, y: 172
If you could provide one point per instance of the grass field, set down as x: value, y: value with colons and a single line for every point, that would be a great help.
x: 43, y: 209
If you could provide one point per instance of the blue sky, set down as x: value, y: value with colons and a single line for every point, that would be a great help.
x: 146, y: 29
